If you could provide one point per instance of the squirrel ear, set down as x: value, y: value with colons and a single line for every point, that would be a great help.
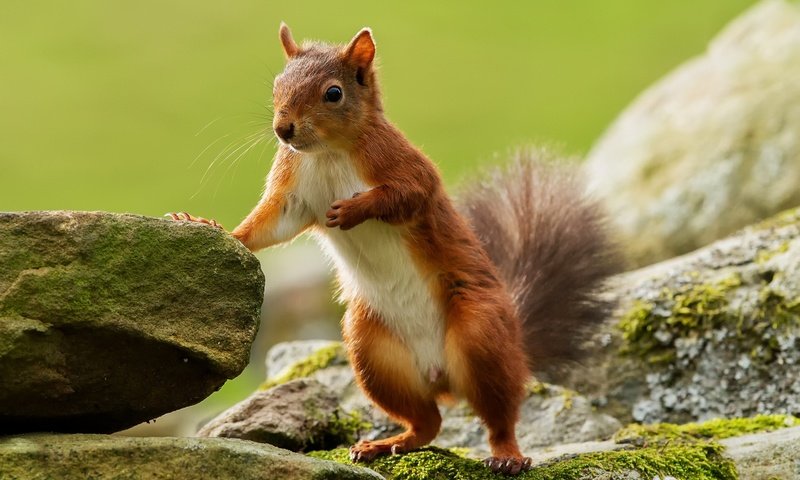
x: 361, y: 50
x: 290, y: 49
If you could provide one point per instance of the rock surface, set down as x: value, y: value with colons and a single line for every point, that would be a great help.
x: 108, y: 320
x: 712, y: 147
x: 550, y: 415
x: 78, y: 457
x: 299, y: 415
x: 715, y: 333
x: 773, y: 455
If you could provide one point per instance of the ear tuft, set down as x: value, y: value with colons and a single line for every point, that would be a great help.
x: 290, y: 48
x: 361, y: 50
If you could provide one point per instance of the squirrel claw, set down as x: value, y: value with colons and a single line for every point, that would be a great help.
x: 365, y: 450
x: 508, y: 465
x: 185, y: 217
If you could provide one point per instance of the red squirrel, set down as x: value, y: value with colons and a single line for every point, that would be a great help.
x: 434, y: 309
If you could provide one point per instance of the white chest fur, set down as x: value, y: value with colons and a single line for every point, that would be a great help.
x: 373, y: 261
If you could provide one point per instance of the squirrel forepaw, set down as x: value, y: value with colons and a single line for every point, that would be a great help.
x: 345, y: 214
x: 185, y: 217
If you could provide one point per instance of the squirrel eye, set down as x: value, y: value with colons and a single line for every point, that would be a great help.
x: 333, y: 94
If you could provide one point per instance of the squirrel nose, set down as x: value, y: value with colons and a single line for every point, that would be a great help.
x: 285, y: 132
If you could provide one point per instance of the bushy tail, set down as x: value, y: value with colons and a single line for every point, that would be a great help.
x: 550, y: 243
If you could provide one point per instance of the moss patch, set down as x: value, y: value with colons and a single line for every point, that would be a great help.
x: 700, y: 461
x: 717, y: 429
x: 649, y: 329
x: 346, y: 427
x: 320, y: 359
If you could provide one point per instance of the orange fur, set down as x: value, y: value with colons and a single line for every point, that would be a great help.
x: 483, y: 352
x: 385, y: 371
x: 259, y: 229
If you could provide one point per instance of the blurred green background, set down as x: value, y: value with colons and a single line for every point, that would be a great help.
x: 140, y: 106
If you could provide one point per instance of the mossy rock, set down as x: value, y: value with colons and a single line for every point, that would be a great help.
x: 80, y: 457
x: 108, y: 320
x: 714, y: 333
x: 701, y: 461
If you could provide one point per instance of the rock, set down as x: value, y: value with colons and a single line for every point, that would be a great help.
x: 550, y: 415
x: 712, y: 147
x: 299, y: 415
x: 715, y: 333
x: 281, y: 357
x: 68, y: 457
x: 108, y: 320
x: 766, y: 455
x: 714, y: 450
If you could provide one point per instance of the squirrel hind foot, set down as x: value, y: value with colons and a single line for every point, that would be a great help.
x: 508, y: 465
x: 366, y: 450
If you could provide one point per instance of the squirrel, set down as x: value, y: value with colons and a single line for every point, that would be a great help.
x: 442, y: 301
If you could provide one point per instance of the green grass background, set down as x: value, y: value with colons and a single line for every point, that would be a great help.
x: 101, y: 101
x: 123, y: 106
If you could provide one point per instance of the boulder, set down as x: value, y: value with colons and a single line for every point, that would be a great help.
x: 299, y: 415
x: 766, y: 455
x: 109, y: 320
x: 711, y: 148
x: 78, y: 457
x: 715, y: 333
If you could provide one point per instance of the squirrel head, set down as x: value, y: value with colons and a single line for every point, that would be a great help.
x: 326, y: 94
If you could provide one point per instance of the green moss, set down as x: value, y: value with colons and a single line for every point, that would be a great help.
x: 717, y: 429
x: 348, y: 426
x: 568, y: 395
x: 783, y: 219
x: 699, y: 461
x: 306, y: 367
x: 764, y: 256
x: 696, y: 308
x: 536, y: 387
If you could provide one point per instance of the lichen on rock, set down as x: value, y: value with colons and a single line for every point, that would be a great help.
x: 716, y: 429
x: 715, y: 333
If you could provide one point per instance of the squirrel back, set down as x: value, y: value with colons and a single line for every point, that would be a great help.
x: 550, y: 243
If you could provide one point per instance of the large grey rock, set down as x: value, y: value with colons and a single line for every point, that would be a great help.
x: 715, y: 333
x: 711, y: 148
x: 766, y: 456
x: 108, y: 320
x: 79, y: 457
x: 300, y: 415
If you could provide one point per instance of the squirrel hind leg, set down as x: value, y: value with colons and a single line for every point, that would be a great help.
x: 385, y: 371
x: 490, y: 372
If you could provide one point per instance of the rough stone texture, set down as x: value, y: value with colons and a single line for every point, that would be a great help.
x: 765, y: 456
x: 713, y: 333
x: 550, y: 415
x: 78, y: 457
x: 283, y: 355
x: 298, y: 415
x: 108, y: 320
x: 712, y: 147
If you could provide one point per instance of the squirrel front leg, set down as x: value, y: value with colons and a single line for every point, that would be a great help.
x: 276, y: 219
x: 279, y: 216
x: 389, y: 203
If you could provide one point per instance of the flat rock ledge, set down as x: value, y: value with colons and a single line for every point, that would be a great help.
x: 108, y: 320
x: 107, y: 457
